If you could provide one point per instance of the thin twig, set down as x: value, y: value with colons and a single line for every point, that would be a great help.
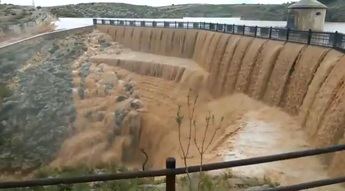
x: 146, y: 158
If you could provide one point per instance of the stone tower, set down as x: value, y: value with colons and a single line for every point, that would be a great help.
x: 307, y: 14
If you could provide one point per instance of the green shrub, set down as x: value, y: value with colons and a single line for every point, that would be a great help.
x: 4, y: 91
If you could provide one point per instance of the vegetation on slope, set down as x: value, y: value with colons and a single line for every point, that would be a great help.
x: 15, y: 14
x: 120, y: 10
x: 36, y: 115
x: 336, y: 11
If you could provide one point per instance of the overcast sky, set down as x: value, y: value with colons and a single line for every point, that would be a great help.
x: 140, y: 2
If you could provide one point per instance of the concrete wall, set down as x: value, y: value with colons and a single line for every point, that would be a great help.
x: 305, y: 19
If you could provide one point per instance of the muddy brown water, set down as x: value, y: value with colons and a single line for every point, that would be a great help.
x: 291, y: 92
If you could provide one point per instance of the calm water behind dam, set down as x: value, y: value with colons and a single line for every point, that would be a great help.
x: 69, y: 23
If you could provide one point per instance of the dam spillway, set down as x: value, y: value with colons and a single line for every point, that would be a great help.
x: 118, y: 91
x: 303, y: 80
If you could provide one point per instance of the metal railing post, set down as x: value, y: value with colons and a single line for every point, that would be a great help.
x: 287, y: 34
x: 224, y: 28
x: 244, y: 30
x: 171, y: 177
x: 335, y: 39
x: 233, y: 29
x: 256, y: 31
x: 310, y: 33
x: 270, y: 33
x: 94, y: 22
x: 187, y: 25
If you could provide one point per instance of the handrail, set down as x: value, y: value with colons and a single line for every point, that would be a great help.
x: 177, y: 171
x: 325, y: 39
x: 308, y: 185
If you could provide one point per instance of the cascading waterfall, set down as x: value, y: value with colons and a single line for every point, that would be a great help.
x: 305, y: 81
x: 301, y: 77
x: 320, y: 75
x: 248, y: 62
x: 281, y: 71
x: 225, y: 64
x: 263, y: 69
x: 235, y: 65
x: 217, y: 59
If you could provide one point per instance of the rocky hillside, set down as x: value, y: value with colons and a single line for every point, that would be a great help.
x: 14, y: 14
x: 36, y: 110
x: 17, y: 21
x: 336, y: 11
x: 245, y: 11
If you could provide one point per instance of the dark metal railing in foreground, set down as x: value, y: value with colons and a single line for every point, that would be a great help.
x: 326, y: 39
x: 171, y: 171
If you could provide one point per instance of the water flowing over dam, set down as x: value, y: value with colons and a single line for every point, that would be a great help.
x: 108, y: 97
x: 307, y: 82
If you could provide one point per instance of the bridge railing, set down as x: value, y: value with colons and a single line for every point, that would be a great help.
x: 171, y: 171
x: 334, y: 40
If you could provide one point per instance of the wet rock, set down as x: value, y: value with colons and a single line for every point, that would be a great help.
x: 121, y: 111
x: 110, y: 78
x: 108, y: 83
x: 131, y: 130
x: 99, y: 116
x: 132, y: 124
x: 137, y: 104
x: 129, y: 87
x: 121, y: 98
x: 108, y: 89
x: 95, y: 115
x: 104, y: 41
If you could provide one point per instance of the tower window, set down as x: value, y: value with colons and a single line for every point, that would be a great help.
x: 318, y: 13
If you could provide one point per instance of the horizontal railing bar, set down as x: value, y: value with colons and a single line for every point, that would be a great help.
x: 83, y: 179
x: 308, y: 185
x: 177, y: 171
x: 266, y: 27
x: 264, y: 159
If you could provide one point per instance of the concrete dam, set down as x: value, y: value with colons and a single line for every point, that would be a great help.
x: 307, y: 82
x: 110, y: 97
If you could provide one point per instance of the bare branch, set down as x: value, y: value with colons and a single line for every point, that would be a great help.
x: 214, y: 133
x: 195, y: 138
x: 191, y: 117
x: 146, y: 159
